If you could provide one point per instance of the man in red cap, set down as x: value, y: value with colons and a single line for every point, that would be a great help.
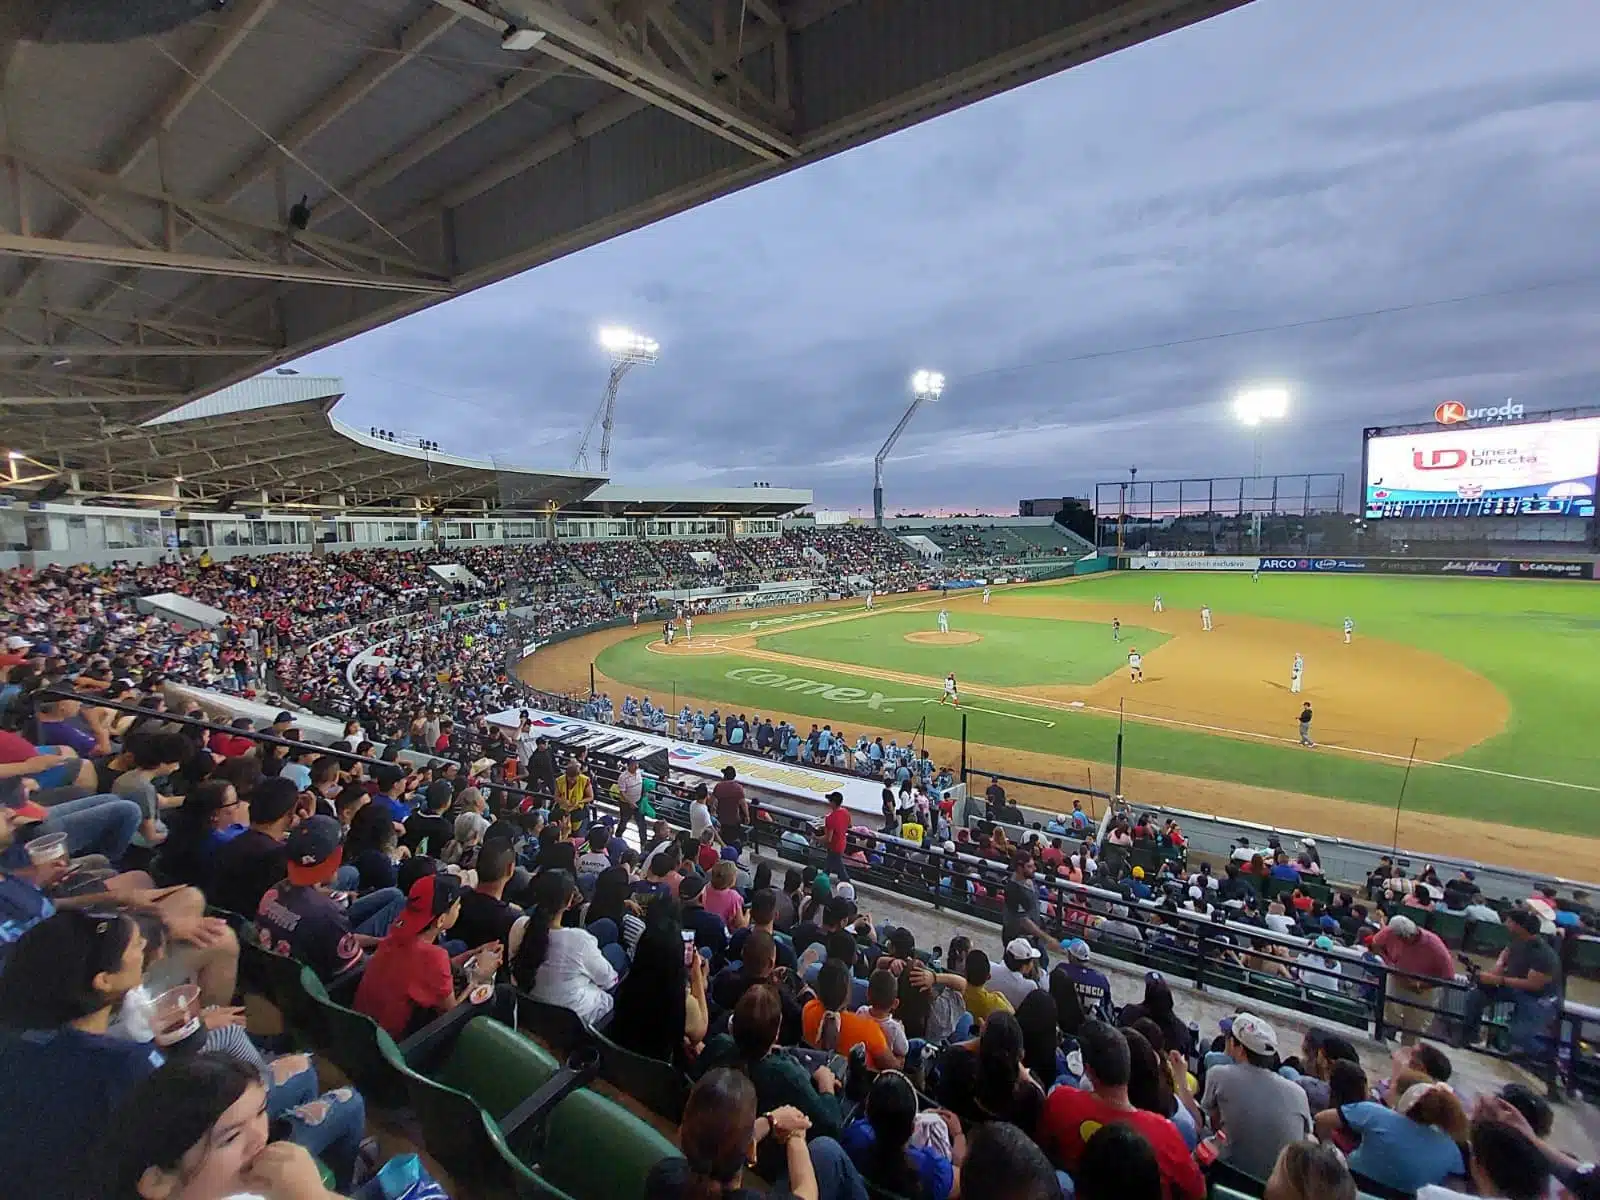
x: 409, y: 980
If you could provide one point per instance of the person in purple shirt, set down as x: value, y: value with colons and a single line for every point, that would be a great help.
x: 1283, y: 869
x: 60, y: 724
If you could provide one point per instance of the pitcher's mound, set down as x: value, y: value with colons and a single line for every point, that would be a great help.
x: 956, y: 638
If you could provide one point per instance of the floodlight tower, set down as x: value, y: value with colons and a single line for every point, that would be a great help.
x: 926, y: 386
x: 1254, y: 407
x: 627, y: 350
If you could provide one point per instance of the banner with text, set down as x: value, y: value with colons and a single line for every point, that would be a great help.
x: 1207, y: 563
x: 1492, y: 568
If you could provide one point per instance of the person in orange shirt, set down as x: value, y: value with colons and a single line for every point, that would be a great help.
x: 829, y: 1025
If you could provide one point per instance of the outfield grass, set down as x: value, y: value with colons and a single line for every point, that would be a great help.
x: 1014, y: 651
x: 1537, y: 641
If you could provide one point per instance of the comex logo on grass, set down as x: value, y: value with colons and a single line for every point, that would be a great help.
x: 876, y: 701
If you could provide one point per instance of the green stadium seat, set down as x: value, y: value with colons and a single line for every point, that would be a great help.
x: 1486, y: 938
x: 279, y: 979
x: 1586, y: 961
x: 1317, y: 891
x: 659, y: 1086
x: 468, y: 1143
x: 1451, y: 928
x: 495, y: 1065
x: 358, y: 1046
x: 559, y: 1028
x: 586, y: 1120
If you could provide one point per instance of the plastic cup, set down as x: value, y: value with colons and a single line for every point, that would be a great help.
x: 176, y: 1014
x: 47, y: 849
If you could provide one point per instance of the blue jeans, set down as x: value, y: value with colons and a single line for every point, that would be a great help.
x: 837, y: 1177
x: 95, y: 824
x: 331, y: 1126
x: 1531, y: 1016
x: 372, y: 914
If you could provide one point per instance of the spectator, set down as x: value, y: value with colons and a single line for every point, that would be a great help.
x: 1158, y: 1007
x: 244, y: 869
x: 485, y: 915
x: 1022, y: 916
x: 829, y: 1025
x: 1415, y: 1143
x: 372, y: 847
x: 733, y: 810
x: 1092, y: 986
x: 1041, y: 1039
x: 408, y: 982
x: 299, y: 918
x: 1018, y: 976
x: 428, y: 830
x: 64, y: 980
x: 661, y: 1009
x: 982, y: 1000
x: 758, y: 967
x: 1107, y: 1065
x: 836, y: 832
x: 611, y: 916
x: 1118, y: 1163
x: 1426, y: 961
x: 882, y: 1148
x: 560, y: 966
x: 1003, y: 1163
x: 1527, y: 973
x: 1310, y: 1171
x: 720, y: 1125
x: 722, y: 898
x: 1258, y: 1109
x: 1505, y: 1162
x: 989, y: 1083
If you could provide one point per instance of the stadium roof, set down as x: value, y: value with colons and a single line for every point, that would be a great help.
x: 195, y: 192
x: 273, y: 441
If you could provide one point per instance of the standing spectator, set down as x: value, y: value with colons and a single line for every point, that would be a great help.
x: 733, y: 810
x: 1022, y: 915
x: 1259, y: 1110
x: 1418, y: 952
x: 836, y: 831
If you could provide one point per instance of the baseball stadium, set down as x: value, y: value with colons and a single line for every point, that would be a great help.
x: 383, y: 819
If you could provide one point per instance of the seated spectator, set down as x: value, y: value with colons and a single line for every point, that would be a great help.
x: 408, y: 981
x: 830, y: 1025
x: 1158, y: 1007
x: 1320, y: 1051
x: 1018, y: 976
x: 612, y: 917
x: 373, y: 848
x: 882, y: 1145
x: 982, y: 1000
x: 1118, y: 1163
x: 986, y: 1081
x: 660, y: 880
x: 1260, y: 1111
x: 63, y: 982
x: 722, y: 897
x: 710, y: 934
x: 1506, y: 1160
x: 299, y: 918
x: 596, y: 856
x: 485, y: 915
x: 1041, y: 1039
x: 243, y: 869
x: 1107, y: 1065
x: 1309, y: 1171
x: 1004, y: 1163
x: 764, y: 903
x: 560, y: 966
x: 720, y: 1126
x: 1091, y: 984
x: 428, y: 830
x: 1415, y: 1143
x: 661, y: 1009
x: 1527, y: 973
x: 198, y: 1129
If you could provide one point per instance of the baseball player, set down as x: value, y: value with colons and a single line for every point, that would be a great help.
x: 1159, y: 606
x: 950, y: 694
x: 1116, y: 629
x: 986, y: 595
x: 1135, y: 666
x: 1297, y: 671
x: 1305, y: 725
x: 667, y: 631
x: 688, y: 629
x: 1205, y: 617
x: 1255, y: 576
x: 1349, y: 629
x: 869, y: 599
x: 944, y: 621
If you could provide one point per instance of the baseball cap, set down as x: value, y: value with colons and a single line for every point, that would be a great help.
x: 691, y: 887
x: 429, y: 896
x: 845, y: 891
x: 1078, y: 950
x: 17, y: 642
x: 1021, y: 949
x: 1254, y: 1034
x: 284, y: 718
x: 1323, y: 943
x: 314, y: 850
x: 1138, y: 872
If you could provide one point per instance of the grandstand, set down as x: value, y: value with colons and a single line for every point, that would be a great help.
x: 995, y: 541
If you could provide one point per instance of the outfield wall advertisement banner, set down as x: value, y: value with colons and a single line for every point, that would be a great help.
x: 1491, y: 568
x: 1542, y: 468
x: 1208, y: 563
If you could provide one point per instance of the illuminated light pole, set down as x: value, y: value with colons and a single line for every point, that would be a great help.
x: 1255, y: 407
x: 926, y: 387
x: 627, y: 350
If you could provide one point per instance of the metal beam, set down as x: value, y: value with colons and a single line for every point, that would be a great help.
x: 415, y: 38
x: 71, y: 350
x: 75, y: 402
x: 203, y: 264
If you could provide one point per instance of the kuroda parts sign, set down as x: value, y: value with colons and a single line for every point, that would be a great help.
x: 1247, y: 562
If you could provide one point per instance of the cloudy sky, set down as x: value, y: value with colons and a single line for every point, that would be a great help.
x: 1074, y: 256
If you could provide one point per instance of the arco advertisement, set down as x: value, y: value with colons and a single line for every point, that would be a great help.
x: 1542, y: 468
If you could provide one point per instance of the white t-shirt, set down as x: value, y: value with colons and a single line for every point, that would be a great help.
x: 575, y: 975
x: 699, y: 818
x: 631, y: 786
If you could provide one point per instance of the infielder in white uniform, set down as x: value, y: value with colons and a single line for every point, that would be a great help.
x: 688, y: 629
x: 1349, y: 628
x: 944, y: 621
x: 950, y: 695
x: 869, y: 599
x: 1205, y: 617
x: 1135, y: 667
x: 1159, y: 606
x: 1296, y: 671
x: 986, y: 595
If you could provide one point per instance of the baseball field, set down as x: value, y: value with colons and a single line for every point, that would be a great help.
x: 1467, y: 709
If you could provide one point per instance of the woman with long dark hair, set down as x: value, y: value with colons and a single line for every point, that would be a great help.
x: 371, y: 847
x: 988, y: 1082
x: 1158, y: 1007
x: 1166, y: 1096
x: 661, y: 1009
x: 612, y: 888
x: 562, y: 966
x: 210, y: 815
x: 1041, y: 1038
x: 880, y: 1144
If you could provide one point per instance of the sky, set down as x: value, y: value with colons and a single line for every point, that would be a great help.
x: 1097, y: 262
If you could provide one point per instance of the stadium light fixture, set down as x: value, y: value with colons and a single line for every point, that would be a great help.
x: 926, y: 387
x: 1254, y: 406
x: 628, y: 349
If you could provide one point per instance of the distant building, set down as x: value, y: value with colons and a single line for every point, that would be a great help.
x: 1049, y: 506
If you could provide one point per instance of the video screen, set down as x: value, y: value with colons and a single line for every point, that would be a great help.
x: 1542, y: 469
